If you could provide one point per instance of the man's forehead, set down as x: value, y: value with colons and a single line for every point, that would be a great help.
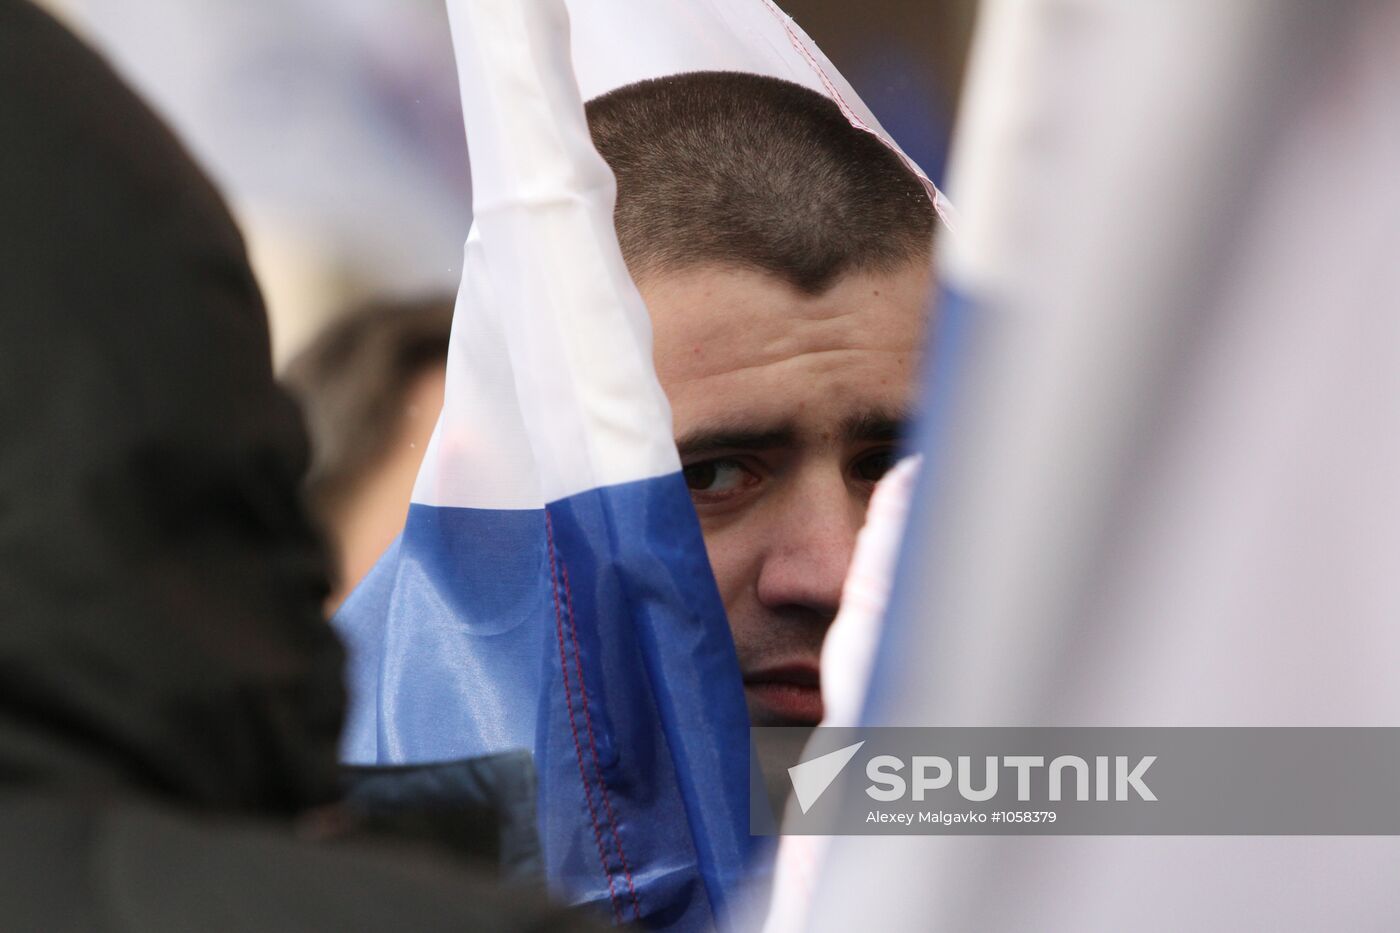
x: 713, y: 322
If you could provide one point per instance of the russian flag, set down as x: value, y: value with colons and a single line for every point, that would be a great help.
x: 550, y: 591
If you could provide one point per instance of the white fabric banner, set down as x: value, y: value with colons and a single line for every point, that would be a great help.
x: 1167, y: 492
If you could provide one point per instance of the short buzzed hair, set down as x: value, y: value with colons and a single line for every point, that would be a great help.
x: 734, y: 168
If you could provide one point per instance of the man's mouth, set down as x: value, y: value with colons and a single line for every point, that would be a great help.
x: 784, y: 696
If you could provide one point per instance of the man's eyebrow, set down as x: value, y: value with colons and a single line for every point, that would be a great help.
x: 877, y: 426
x: 736, y: 437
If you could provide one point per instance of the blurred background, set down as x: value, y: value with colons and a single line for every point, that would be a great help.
x: 335, y: 130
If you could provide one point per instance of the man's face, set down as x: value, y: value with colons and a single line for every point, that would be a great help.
x: 787, y: 409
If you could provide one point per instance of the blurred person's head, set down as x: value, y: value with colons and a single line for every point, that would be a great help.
x: 785, y: 258
x: 160, y: 582
x: 371, y: 387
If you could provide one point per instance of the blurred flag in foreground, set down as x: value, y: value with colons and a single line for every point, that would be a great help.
x: 550, y: 591
x: 1162, y: 481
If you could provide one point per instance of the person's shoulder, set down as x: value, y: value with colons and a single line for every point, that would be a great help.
x: 139, y: 866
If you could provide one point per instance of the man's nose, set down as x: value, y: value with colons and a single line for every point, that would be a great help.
x: 810, y: 547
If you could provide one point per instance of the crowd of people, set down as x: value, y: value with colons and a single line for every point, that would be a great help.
x: 173, y: 692
x: 460, y: 616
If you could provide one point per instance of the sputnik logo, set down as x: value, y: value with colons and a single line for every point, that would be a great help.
x: 810, y: 779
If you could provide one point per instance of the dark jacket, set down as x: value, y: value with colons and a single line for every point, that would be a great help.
x: 170, y: 696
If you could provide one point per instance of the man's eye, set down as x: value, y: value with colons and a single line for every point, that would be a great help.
x: 717, y: 477
x: 875, y: 465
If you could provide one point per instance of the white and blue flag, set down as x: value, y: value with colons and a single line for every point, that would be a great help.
x: 550, y: 590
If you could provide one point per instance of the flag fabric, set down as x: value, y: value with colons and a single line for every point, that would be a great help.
x: 619, y: 42
x: 1160, y: 480
x: 550, y: 590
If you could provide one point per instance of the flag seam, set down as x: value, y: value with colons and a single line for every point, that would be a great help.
x: 846, y: 109
x: 593, y: 744
x: 573, y: 725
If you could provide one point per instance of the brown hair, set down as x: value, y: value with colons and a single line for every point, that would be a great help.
x: 352, y: 382
x: 738, y: 168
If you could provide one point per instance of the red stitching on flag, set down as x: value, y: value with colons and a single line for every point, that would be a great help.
x: 588, y: 722
x: 801, y: 47
x: 573, y: 727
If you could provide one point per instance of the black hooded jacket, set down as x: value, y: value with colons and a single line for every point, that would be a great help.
x: 170, y: 696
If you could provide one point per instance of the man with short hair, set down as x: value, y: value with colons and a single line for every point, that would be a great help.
x: 785, y: 258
